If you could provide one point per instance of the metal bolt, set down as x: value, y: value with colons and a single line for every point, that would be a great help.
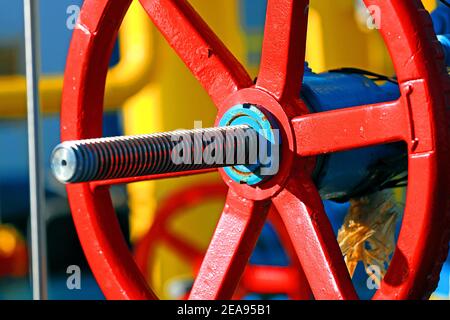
x: 131, y: 156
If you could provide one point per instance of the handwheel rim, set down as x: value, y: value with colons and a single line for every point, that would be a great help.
x: 408, y: 33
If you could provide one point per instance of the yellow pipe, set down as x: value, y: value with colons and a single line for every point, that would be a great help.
x: 124, y: 80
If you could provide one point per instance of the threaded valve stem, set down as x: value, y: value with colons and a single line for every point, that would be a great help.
x: 141, y: 155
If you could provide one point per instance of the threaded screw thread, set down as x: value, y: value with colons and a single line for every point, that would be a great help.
x: 141, y: 155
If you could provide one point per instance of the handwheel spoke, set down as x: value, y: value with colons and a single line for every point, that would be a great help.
x: 283, y: 53
x: 205, y: 55
x: 304, y: 291
x: 314, y: 241
x: 349, y: 128
x: 230, y: 248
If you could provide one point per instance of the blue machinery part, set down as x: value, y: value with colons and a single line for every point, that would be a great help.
x: 339, y: 175
x: 444, y: 39
x: 441, y: 22
x: 441, y: 19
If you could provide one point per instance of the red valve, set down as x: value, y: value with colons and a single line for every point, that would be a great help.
x: 417, y: 118
x: 258, y: 279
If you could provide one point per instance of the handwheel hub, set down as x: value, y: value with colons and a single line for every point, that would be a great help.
x: 265, y: 153
x: 260, y: 109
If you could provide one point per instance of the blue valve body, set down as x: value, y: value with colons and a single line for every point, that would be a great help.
x: 441, y: 23
x: 341, y: 175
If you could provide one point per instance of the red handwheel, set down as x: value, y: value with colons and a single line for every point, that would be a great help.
x: 260, y: 279
x: 418, y: 117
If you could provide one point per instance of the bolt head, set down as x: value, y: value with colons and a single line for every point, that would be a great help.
x: 64, y: 163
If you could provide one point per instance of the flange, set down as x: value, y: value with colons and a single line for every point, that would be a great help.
x: 265, y: 154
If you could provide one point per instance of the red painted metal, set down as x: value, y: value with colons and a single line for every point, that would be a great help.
x: 255, y: 279
x: 369, y: 125
x: 418, y: 118
x: 283, y: 51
